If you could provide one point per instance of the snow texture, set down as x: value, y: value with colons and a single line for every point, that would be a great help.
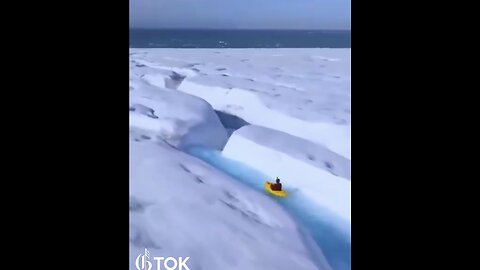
x: 180, y: 206
x: 321, y: 174
x: 175, y: 117
x: 303, y: 92
x: 283, y: 112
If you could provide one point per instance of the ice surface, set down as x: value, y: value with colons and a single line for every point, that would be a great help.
x: 178, y: 118
x: 321, y: 174
x: 303, y: 92
x: 303, y: 150
x: 289, y: 112
x: 329, y: 232
x: 180, y: 206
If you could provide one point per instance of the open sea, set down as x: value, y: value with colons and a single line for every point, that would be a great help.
x: 197, y: 38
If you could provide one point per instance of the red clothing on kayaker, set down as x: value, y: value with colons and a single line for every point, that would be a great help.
x: 276, y: 186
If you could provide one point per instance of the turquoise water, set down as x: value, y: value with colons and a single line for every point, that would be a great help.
x: 330, y: 233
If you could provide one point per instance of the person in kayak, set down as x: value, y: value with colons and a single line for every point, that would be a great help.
x: 277, y: 186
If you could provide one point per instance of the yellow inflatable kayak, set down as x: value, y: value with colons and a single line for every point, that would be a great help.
x: 281, y: 193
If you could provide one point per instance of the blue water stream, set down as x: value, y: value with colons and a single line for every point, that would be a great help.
x: 330, y: 233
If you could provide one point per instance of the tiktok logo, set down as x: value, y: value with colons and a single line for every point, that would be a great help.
x: 169, y: 263
x: 143, y: 262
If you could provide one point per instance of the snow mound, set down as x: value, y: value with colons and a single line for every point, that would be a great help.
x: 303, y: 92
x: 319, y: 173
x: 176, y: 117
x: 305, y: 151
x: 180, y: 206
x: 247, y: 106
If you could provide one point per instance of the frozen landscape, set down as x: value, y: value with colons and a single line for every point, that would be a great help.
x: 209, y: 126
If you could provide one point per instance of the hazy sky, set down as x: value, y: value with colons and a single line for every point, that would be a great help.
x: 283, y: 14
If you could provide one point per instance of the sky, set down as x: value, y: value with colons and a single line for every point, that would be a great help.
x: 240, y: 14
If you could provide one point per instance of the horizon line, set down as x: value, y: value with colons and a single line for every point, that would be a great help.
x: 202, y: 28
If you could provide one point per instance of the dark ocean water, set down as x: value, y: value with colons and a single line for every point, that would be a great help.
x: 184, y: 38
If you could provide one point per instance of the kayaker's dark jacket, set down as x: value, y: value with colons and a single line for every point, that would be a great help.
x: 276, y: 186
